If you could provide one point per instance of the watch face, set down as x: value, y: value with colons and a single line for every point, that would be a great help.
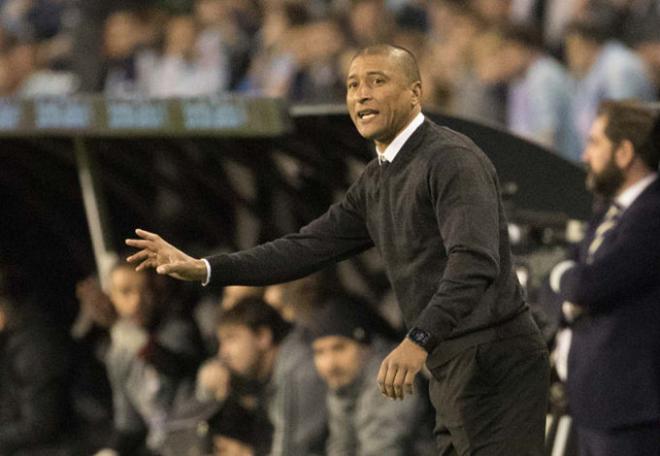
x: 419, y: 336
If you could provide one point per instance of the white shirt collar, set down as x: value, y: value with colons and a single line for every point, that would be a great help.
x: 630, y: 194
x: 395, y: 146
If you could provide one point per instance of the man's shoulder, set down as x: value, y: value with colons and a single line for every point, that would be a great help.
x: 647, y: 204
x: 442, y: 137
x: 446, y: 147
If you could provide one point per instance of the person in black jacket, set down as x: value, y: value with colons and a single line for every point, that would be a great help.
x: 430, y: 204
x: 34, y: 363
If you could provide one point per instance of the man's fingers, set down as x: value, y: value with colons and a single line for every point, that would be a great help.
x: 140, y: 256
x: 409, y: 383
x: 140, y: 243
x: 178, y: 267
x: 389, y: 381
x: 148, y: 263
x: 146, y: 234
x: 382, y: 372
x: 397, y: 383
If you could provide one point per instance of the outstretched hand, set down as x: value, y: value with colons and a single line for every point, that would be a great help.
x: 398, y: 370
x: 164, y: 258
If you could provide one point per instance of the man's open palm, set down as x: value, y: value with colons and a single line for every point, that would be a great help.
x: 164, y: 257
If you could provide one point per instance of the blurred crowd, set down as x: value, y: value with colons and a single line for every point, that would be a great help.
x: 148, y: 369
x: 537, y: 67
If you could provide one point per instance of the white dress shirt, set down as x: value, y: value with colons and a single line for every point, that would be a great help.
x: 395, y: 146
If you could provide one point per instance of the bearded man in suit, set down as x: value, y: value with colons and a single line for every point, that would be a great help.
x: 612, y: 289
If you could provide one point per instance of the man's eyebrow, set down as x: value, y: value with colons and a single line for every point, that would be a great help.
x: 369, y: 73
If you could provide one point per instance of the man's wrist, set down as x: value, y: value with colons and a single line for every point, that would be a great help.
x: 422, y: 338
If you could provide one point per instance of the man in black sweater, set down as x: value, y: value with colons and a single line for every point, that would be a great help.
x: 430, y: 204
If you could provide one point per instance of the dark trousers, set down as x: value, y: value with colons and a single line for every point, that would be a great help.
x: 636, y: 441
x: 491, y: 399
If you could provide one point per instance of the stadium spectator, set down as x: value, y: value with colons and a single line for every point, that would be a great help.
x: 6, y: 77
x: 370, y: 22
x: 34, y: 375
x: 319, y: 47
x: 91, y: 394
x: 191, y: 64
x: 221, y: 34
x: 604, y: 68
x: 151, y: 355
x: 128, y: 62
x: 296, y: 301
x: 362, y: 422
x: 275, y: 64
x: 539, y: 92
x: 274, y: 364
x: 645, y: 40
x: 463, y: 46
x: 494, y: 12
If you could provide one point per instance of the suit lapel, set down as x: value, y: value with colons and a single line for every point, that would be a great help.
x: 632, y: 214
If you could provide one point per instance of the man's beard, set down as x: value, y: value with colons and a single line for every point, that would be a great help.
x: 607, y: 182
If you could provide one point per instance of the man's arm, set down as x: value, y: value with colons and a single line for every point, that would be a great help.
x: 466, y: 204
x: 628, y: 264
x: 338, y: 234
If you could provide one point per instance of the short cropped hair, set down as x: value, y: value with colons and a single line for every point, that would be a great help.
x: 254, y: 313
x: 636, y: 122
x: 406, y: 58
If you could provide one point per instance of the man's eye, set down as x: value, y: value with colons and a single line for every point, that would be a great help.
x: 352, y: 85
x: 379, y: 81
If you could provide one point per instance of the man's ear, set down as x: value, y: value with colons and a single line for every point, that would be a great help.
x: 416, y: 89
x: 624, y: 154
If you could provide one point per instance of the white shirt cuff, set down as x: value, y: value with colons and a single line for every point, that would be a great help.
x: 208, y: 272
x: 557, y: 272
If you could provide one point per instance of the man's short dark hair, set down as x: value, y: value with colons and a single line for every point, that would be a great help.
x: 406, y: 58
x: 256, y: 314
x: 636, y: 122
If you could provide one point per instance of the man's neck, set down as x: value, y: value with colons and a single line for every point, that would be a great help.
x: 381, y: 146
x: 632, y: 178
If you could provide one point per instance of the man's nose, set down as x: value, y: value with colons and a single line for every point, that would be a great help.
x: 363, y: 93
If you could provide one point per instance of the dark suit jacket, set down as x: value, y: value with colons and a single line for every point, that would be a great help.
x: 614, y: 363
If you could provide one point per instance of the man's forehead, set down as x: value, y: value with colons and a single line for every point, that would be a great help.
x: 375, y: 63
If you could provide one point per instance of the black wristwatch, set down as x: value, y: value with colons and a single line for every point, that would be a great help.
x: 422, y: 338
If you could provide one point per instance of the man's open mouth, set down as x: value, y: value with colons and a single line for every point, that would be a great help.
x: 366, y: 114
